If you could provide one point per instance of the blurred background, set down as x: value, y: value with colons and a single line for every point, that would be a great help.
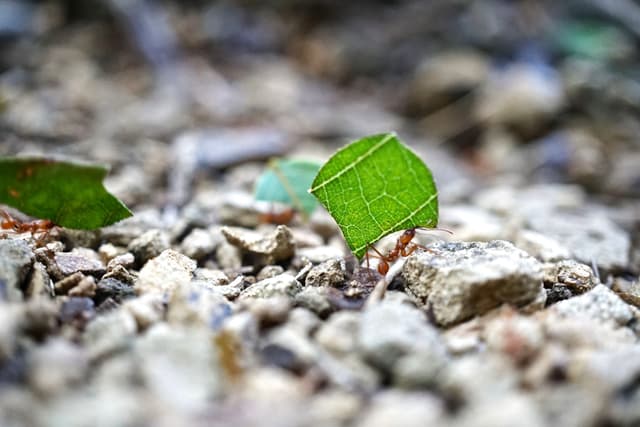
x: 172, y: 92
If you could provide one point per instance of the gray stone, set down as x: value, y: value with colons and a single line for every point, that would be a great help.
x: 179, y: 366
x: 599, y: 303
x: 330, y: 273
x: 109, y: 334
x: 272, y: 247
x: 70, y: 263
x: 146, y: 309
x: 282, y: 285
x: 461, y: 280
x: 56, y: 366
x: 319, y: 254
x: 269, y: 271
x: 389, y: 331
x: 339, y: 334
x: 198, y: 303
x: 16, y: 261
x: 199, y: 243
x: 114, y: 289
x: 578, y: 277
x: 165, y: 273
x: 410, y: 409
x: 627, y: 290
x: 316, y: 299
x: 590, y: 236
x: 541, y: 247
x: 149, y: 245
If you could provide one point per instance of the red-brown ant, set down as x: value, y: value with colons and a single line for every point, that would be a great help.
x: 403, y: 248
x: 34, y: 227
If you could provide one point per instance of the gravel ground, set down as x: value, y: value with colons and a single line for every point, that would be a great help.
x: 195, y: 312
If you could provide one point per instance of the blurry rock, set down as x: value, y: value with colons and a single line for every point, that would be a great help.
x: 532, y: 201
x: 518, y: 337
x: 165, y: 273
x: 11, y: 316
x: 442, y: 78
x: 624, y: 177
x: 323, y: 223
x: 77, y: 311
x: 319, y: 254
x: 590, y: 236
x: 108, y: 251
x: 39, y: 282
x: 470, y: 223
x: 179, y: 366
x: 125, y: 259
x: 84, y: 288
x: 80, y: 238
x: 269, y: 271
x: 316, y: 299
x: 500, y: 411
x: 238, y: 208
x: 198, y: 244
x: 149, y: 245
x: 334, y: 407
x: 146, y: 309
x: 56, y: 366
x: 629, y: 291
x: 282, y: 285
x: 197, y: 304
x: 109, y: 334
x: 16, y: 260
x: 339, y: 334
x: 70, y: 263
x: 460, y: 280
x: 272, y: 247
x: 413, y: 408
x: 579, y: 278
x: 600, y: 303
x: 522, y: 96
x: 540, y: 246
x: 389, y: 331
x: 114, y: 289
x: 228, y: 256
x: 123, y: 232
x: 330, y: 273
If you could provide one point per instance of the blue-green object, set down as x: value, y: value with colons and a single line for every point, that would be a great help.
x: 287, y: 181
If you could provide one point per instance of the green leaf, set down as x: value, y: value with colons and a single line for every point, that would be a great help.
x: 287, y: 181
x: 69, y: 194
x: 376, y: 186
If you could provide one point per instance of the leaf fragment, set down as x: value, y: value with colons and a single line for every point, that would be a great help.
x: 376, y: 186
x: 68, y: 193
x: 287, y: 181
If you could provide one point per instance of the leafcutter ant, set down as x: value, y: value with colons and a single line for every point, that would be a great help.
x: 39, y: 228
x: 403, y: 248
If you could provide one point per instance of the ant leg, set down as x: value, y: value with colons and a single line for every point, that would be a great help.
x: 412, y: 248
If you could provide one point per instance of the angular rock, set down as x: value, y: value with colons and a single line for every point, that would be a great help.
x: 330, y: 273
x: 149, y: 245
x: 273, y: 247
x: 16, y: 260
x: 591, y: 237
x: 70, y: 263
x: 282, y: 285
x: 389, y: 331
x: 628, y: 291
x: 600, y: 303
x: 165, y: 272
x: 460, y: 280
x: 114, y: 289
x: 199, y: 243
x: 578, y: 277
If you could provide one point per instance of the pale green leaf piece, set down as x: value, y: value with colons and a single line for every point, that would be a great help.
x: 376, y: 186
x: 70, y: 194
x: 287, y: 181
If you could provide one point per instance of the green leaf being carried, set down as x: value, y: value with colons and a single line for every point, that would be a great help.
x: 376, y: 186
x: 69, y: 194
x: 286, y: 181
